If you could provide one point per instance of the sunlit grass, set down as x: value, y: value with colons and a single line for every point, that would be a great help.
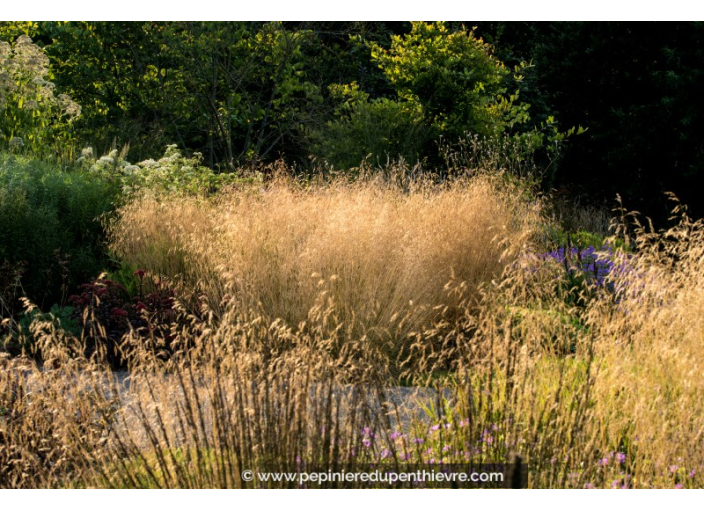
x: 285, y: 369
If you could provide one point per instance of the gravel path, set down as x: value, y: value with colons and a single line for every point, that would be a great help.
x: 408, y: 402
x: 404, y: 404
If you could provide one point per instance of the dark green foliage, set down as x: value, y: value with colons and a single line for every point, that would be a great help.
x: 21, y: 340
x: 381, y: 129
x: 118, y: 73
x: 234, y: 91
x: 338, y: 54
x: 105, y: 311
x: 638, y: 89
x: 51, y: 226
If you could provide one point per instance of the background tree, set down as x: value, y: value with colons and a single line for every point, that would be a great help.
x: 451, y: 78
x: 234, y: 91
x: 446, y: 83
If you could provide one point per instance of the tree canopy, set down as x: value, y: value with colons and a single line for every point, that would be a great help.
x: 250, y: 92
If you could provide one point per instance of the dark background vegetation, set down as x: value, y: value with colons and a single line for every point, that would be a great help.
x: 636, y: 87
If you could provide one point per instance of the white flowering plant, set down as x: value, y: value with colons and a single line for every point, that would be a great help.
x: 33, y: 117
x: 172, y: 173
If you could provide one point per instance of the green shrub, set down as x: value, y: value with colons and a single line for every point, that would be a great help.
x: 376, y: 130
x: 452, y: 79
x: 51, y: 225
x: 452, y: 93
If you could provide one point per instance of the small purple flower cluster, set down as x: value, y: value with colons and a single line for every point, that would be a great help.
x: 595, y: 265
x: 614, y: 464
x: 368, y: 437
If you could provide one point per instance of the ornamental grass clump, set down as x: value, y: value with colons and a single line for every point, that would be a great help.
x: 651, y: 351
x: 384, y: 249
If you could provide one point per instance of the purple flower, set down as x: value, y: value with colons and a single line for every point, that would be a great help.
x: 620, y: 457
x: 593, y: 265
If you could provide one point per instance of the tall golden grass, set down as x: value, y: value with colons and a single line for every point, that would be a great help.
x: 604, y: 391
x: 380, y: 248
